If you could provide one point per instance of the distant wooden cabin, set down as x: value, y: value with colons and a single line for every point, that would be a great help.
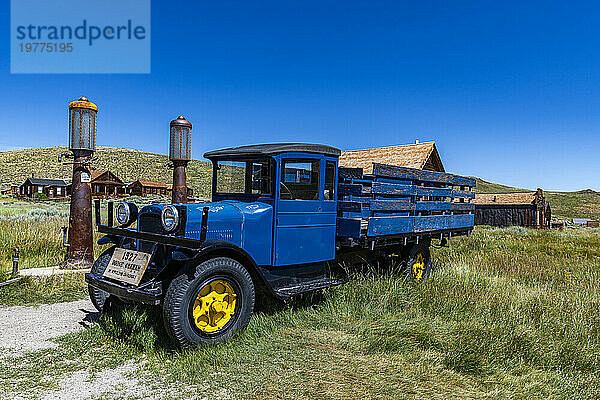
x: 417, y: 155
x: 107, y: 184
x: 13, y: 191
x: 40, y: 187
x: 190, y: 191
x: 147, y: 188
x: 528, y: 209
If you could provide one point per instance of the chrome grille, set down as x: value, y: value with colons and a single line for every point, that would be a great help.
x: 149, y: 222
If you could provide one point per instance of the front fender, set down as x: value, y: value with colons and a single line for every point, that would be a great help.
x: 211, y: 248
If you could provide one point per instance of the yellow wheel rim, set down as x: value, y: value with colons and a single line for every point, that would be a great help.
x: 214, y: 306
x: 418, y: 267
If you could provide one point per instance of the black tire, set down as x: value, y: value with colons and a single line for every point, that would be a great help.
x: 418, y: 264
x: 102, y: 300
x: 184, y: 290
x: 99, y: 297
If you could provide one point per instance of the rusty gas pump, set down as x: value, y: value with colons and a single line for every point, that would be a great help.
x: 180, y: 152
x: 82, y: 144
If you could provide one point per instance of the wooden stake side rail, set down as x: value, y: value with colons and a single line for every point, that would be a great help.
x: 398, y: 200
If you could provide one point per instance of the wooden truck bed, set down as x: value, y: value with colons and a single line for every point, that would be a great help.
x: 399, y: 201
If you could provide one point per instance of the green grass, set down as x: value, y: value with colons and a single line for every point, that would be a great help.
x: 508, y: 314
x: 44, y: 290
x: 35, y: 228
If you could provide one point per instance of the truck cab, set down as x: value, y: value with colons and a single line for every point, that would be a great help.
x: 286, y: 193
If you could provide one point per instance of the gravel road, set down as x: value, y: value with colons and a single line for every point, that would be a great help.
x: 28, y: 328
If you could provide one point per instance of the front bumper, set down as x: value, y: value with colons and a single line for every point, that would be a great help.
x: 168, y: 240
x: 148, y: 293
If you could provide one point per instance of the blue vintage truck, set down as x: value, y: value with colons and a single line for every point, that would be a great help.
x: 281, y: 216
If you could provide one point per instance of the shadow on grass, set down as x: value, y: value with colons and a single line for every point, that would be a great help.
x: 138, y: 326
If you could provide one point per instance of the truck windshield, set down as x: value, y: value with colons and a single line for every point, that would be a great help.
x: 245, y: 177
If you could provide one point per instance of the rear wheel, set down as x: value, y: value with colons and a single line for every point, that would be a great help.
x: 208, y: 303
x: 418, y: 265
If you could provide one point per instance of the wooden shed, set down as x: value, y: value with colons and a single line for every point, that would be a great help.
x: 147, y: 188
x: 50, y: 188
x: 13, y: 191
x: 528, y: 209
x: 417, y: 155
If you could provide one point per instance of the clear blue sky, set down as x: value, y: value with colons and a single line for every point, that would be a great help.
x: 509, y: 91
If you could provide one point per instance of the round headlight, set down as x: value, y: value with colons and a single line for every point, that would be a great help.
x: 123, y: 213
x: 126, y: 213
x: 170, y: 218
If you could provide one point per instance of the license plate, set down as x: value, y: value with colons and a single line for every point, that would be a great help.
x: 127, y: 266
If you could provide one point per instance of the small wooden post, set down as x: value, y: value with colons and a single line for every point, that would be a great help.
x: 15, y: 269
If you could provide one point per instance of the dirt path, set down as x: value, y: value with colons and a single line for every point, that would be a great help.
x: 28, y: 328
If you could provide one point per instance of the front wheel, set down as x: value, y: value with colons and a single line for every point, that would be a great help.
x: 418, y: 265
x: 208, y: 303
x: 99, y: 297
x: 103, y: 301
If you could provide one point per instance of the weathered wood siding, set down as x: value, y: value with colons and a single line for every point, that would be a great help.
x: 398, y: 200
x: 502, y: 215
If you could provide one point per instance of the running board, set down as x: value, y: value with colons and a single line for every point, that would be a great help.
x: 306, y: 287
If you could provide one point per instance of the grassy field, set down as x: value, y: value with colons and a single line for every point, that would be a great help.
x: 508, y: 314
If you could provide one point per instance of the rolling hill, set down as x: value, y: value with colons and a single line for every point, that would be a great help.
x: 489, y: 187
x: 129, y: 165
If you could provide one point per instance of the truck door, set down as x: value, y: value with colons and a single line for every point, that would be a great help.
x: 305, y: 217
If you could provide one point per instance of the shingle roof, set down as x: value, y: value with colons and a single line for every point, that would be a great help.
x: 97, y: 174
x: 152, y: 184
x: 47, y: 182
x: 505, y: 198
x: 418, y: 155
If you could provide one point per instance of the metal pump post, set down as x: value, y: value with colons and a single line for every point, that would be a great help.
x: 82, y: 143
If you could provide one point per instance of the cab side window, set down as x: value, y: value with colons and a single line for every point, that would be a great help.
x: 300, y: 179
x: 329, y: 191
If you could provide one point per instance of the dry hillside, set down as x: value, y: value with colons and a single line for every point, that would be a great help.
x: 129, y: 165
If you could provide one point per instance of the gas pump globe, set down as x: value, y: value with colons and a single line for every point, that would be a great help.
x: 82, y: 143
x: 180, y: 151
x: 82, y: 125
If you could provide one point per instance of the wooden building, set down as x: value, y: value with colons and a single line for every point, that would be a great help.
x: 528, y: 209
x: 147, y: 188
x: 39, y: 187
x: 13, y: 191
x: 107, y: 184
x: 417, y: 155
